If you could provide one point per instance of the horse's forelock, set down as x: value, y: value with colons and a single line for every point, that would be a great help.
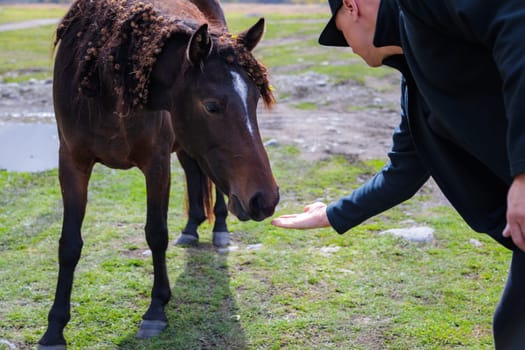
x: 234, y: 52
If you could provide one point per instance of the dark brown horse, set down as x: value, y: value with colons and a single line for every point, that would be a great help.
x: 134, y: 82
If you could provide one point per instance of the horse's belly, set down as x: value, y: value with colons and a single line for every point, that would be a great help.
x: 115, y: 153
x: 114, y: 142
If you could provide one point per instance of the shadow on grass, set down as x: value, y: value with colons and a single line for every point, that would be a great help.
x: 202, y: 312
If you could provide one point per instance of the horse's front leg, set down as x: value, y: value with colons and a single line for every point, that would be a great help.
x: 221, y: 235
x: 74, y: 178
x: 157, y: 174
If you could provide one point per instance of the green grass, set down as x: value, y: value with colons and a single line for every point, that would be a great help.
x: 306, y: 106
x: 291, y: 47
x: 27, y: 52
x: 17, y: 13
x: 375, y: 292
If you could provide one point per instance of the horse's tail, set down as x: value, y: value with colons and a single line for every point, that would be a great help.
x: 207, y: 197
x: 207, y: 188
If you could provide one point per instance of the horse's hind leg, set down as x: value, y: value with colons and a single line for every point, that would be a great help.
x: 157, y: 175
x: 221, y: 235
x: 74, y: 178
x: 196, y: 215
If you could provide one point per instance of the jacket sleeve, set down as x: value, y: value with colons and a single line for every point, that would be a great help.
x: 399, y: 180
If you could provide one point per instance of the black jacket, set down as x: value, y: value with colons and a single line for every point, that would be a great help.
x: 463, y: 96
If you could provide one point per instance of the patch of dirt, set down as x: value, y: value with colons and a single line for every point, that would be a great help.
x: 28, y: 102
x: 349, y: 118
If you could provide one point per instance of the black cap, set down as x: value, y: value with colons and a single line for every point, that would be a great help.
x: 331, y: 36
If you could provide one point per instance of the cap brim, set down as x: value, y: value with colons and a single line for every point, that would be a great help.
x: 331, y: 36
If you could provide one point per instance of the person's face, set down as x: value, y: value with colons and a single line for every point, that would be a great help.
x: 358, y: 31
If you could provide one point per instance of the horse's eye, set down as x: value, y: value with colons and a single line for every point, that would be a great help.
x: 212, y: 107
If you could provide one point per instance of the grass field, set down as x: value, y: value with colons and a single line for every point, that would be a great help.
x: 300, y: 290
x: 278, y: 290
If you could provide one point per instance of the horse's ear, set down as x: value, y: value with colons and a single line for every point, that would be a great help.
x: 199, y: 46
x: 251, y: 37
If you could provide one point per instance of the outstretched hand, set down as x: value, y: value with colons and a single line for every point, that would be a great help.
x: 515, y: 228
x: 314, y: 216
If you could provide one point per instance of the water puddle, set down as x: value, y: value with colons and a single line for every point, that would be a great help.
x: 28, y: 147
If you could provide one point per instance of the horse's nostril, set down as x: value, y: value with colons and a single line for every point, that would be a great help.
x: 257, y: 202
x: 259, y: 208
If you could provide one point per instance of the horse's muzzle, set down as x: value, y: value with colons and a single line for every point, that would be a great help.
x: 258, y: 207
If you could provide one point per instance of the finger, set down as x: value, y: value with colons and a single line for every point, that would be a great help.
x: 506, y: 231
x: 511, y: 227
x: 286, y: 223
x: 514, y: 231
x: 300, y: 221
x: 308, y: 207
x: 313, y: 206
x: 518, y: 237
x: 287, y: 216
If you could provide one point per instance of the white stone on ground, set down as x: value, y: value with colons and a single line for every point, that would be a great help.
x: 414, y: 234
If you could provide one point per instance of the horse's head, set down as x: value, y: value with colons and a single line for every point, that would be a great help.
x: 213, y: 100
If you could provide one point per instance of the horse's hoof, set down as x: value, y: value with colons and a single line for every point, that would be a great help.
x: 51, y: 347
x: 150, y: 328
x: 186, y: 239
x: 221, y: 239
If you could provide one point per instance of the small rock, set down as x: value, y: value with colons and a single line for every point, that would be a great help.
x: 475, y: 243
x: 7, y: 343
x: 228, y: 249
x: 414, y: 234
x: 328, y: 250
x: 271, y: 142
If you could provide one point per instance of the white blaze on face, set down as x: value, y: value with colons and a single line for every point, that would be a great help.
x: 240, y: 87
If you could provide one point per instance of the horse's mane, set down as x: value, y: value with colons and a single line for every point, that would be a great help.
x: 123, y: 38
